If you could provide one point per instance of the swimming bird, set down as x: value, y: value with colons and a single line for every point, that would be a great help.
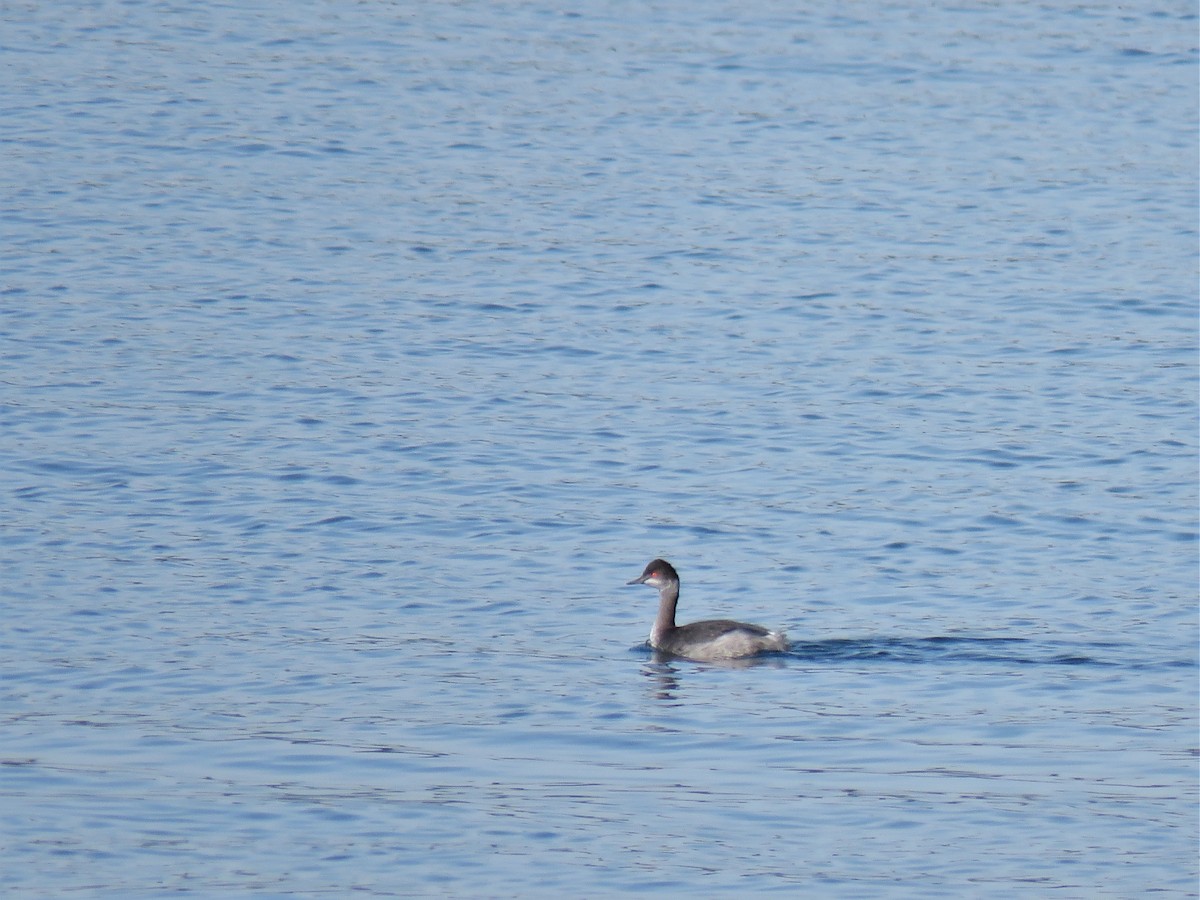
x: 711, y: 639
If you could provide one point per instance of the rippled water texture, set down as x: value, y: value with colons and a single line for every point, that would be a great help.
x: 356, y: 355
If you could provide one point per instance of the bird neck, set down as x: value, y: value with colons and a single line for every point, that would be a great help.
x: 668, y: 597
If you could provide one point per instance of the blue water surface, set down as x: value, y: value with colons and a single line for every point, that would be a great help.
x: 355, y: 355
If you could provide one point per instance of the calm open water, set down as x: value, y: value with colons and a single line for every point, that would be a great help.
x: 356, y: 354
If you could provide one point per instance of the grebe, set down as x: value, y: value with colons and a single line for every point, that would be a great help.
x: 712, y: 639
